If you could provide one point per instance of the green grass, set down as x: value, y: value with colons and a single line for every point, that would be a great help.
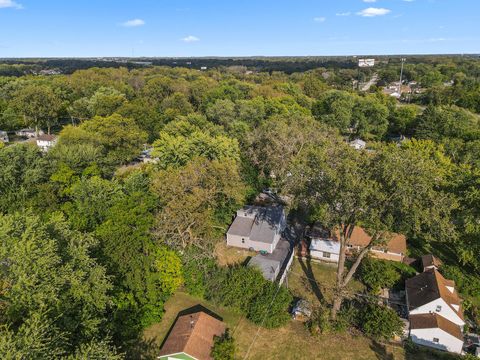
x: 292, y: 341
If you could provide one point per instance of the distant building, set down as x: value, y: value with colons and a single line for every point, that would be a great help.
x: 4, y: 136
x: 358, y: 144
x: 28, y: 133
x: 203, y: 68
x: 192, y: 337
x: 257, y: 228
x: 322, y: 245
x: 46, y: 142
x: 435, y: 310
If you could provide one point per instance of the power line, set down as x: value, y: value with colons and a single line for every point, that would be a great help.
x: 261, y: 324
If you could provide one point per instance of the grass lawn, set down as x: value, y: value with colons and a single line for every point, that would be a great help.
x: 289, y: 342
x: 228, y: 255
x: 292, y: 341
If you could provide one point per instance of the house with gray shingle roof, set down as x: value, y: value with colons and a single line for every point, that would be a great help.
x: 257, y: 228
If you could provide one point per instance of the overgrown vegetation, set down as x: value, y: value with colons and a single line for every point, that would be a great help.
x: 95, y: 242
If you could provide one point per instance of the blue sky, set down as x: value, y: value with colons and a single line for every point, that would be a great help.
x: 49, y: 28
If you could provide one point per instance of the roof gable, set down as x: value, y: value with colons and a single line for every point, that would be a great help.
x: 193, y: 334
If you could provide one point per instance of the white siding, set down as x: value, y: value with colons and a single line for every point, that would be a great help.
x: 446, y: 341
x: 236, y: 240
x: 319, y: 255
x: 446, y: 311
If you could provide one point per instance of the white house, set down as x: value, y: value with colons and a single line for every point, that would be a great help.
x: 435, y: 311
x: 45, y: 142
x: 28, y: 133
x: 437, y: 332
x: 325, y: 246
x: 258, y: 228
x: 358, y: 144
x: 3, y: 136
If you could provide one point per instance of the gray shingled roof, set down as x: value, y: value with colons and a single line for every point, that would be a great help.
x: 260, y: 229
x: 269, y: 263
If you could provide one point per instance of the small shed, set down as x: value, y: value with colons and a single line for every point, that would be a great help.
x: 302, y: 310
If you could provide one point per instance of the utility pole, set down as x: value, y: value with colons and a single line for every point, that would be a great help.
x: 401, y: 76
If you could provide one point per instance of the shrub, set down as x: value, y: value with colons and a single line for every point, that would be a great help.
x: 223, y: 347
x: 380, y: 322
x: 270, y: 307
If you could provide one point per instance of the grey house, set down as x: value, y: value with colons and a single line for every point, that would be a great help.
x: 257, y: 228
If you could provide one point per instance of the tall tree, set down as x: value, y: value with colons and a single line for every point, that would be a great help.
x: 395, y: 189
x: 38, y: 104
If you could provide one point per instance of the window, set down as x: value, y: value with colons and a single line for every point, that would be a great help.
x: 439, y: 308
x: 326, y: 255
x: 243, y: 241
x: 436, y: 340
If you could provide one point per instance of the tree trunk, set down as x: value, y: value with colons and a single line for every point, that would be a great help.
x: 337, y: 304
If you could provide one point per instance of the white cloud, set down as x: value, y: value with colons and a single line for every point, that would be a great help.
x: 132, y: 23
x: 10, y: 4
x: 190, y: 38
x: 319, y: 19
x: 348, y: 13
x: 371, y: 12
x: 369, y: 1
x: 409, y: 0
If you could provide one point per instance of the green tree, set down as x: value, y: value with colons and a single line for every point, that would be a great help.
x: 223, y: 347
x: 381, y: 322
x: 196, y: 201
x: 38, y: 104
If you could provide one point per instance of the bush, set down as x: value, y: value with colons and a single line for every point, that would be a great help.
x: 270, y: 307
x: 378, y: 274
x: 223, y: 347
x: 380, y: 322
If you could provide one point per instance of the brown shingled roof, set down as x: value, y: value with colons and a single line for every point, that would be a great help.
x: 429, y: 286
x: 431, y: 321
x: 46, y: 137
x: 430, y: 260
x: 193, y: 334
x: 397, y: 243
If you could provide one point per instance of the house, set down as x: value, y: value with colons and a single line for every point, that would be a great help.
x: 257, y: 228
x: 274, y: 266
x: 394, y: 248
x: 192, y: 337
x: 28, y: 133
x: 325, y: 245
x: 430, y: 262
x: 4, y: 136
x: 435, y: 311
x: 322, y: 245
x: 437, y: 332
x: 358, y: 144
x: 45, y: 142
x: 430, y: 292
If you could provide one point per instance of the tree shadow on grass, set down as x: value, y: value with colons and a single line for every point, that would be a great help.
x: 306, y: 266
x: 144, y: 350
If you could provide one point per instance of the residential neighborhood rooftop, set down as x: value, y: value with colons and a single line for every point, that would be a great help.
x: 271, y: 264
x: 432, y: 321
x: 259, y: 223
x: 396, y: 243
x: 193, y: 334
x: 429, y: 286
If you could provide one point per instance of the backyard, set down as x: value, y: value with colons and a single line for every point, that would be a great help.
x: 292, y: 341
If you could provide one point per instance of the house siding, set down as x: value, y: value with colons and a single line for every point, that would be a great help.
x: 236, y: 240
x: 446, y: 341
x: 446, y: 311
x: 318, y: 254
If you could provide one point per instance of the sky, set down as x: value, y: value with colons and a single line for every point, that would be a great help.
x: 93, y: 28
